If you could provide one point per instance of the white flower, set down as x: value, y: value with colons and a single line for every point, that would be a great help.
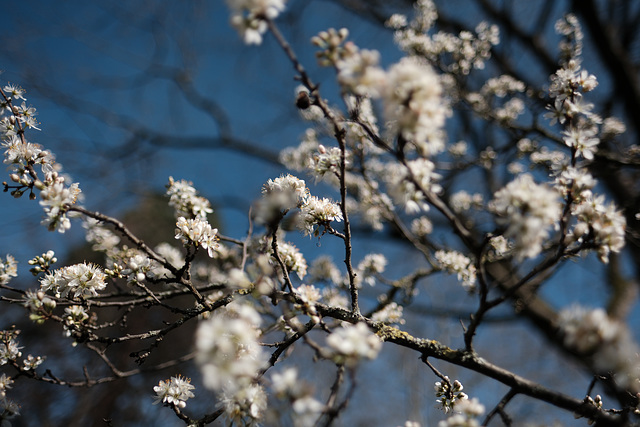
x: 292, y: 259
x: 316, y: 212
x: 390, y: 314
x: 324, y: 269
x: 606, y: 341
x: 244, y: 406
x: 184, y: 199
x: 8, y: 409
x: 462, y: 201
x: 286, y: 383
x: 9, y: 349
x: 138, y: 266
x: 79, y: 280
x: 371, y: 265
x: 606, y: 223
x: 527, y: 210
x: 351, y: 343
x: 8, y: 269
x: 308, y: 293
x: 403, y: 189
x: 248, y: 17
x: 421, y: 226
x: 325, y: 160
x: 55, y: 199
x: 74, y: 318
x: 466, y: 413
x: 198, y: 232
x: 43, y: 262
x: 456, y: 263
x: 449, y: 393
x: 583, y: 140
x: 306, y: 411
x: 227, y: 348
x: 31, y: 362
x: 5, y: 384
x: 360, y: 74
x: 413, y: 104
x: 280, y: 195
x: 175, y: 391
x: 14, y: 91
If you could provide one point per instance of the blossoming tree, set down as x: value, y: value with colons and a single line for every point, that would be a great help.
x: 499, y: 214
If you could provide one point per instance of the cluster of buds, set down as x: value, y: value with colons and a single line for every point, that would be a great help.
x: 333, y: 46
x: 449, y: 393
x: 42, y: 263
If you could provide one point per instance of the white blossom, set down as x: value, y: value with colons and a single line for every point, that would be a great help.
x: 55, y: 198
x: 449, y: 393
x: 244, y: 406
x: 306, y: 411
x: 77, y: 281
x: 318, y: 212
x: 184, y: 200
x: 198, y: 232
x: 456, y: 263
x: 360, y: 74
x: 604, y: 224
x: 8, y: 269
x: 390, y: 314
x: 403, y: 180
x: 527, y: 210
x: 248, y: 17
x: 607, y: 342
x: 32, y: 362
x: 371, y: 265
x: 351, y: 343
x: 293, y: 259
x: 174, y: 391
x: 413, y: 104
x: 9, y: 348
x: 5, y: 384
x: 227, y: 348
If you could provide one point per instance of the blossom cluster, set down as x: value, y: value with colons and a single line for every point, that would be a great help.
x: 449, y: 393
x: 248, y: 17
x: 369, y: 267
x: 456, y: 263
x: 282, y: 194
x: 9, y: 348
x: 8, y: 269
x: 43, y: 262
x: 458, y: 53
x: 410, y: 184
x: 527, y: 210
x: 174, y: 391
x: 197, y: 231
x: 230, y: 356
x: 185, y: 201
x: 391, y: 313
x: 75, y: 281
x: 287, y: 386
x: 607, y: 342
x: 55, y: 191
x: 414, y: 106
x: 352, y: 343
x: 466, y: 414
